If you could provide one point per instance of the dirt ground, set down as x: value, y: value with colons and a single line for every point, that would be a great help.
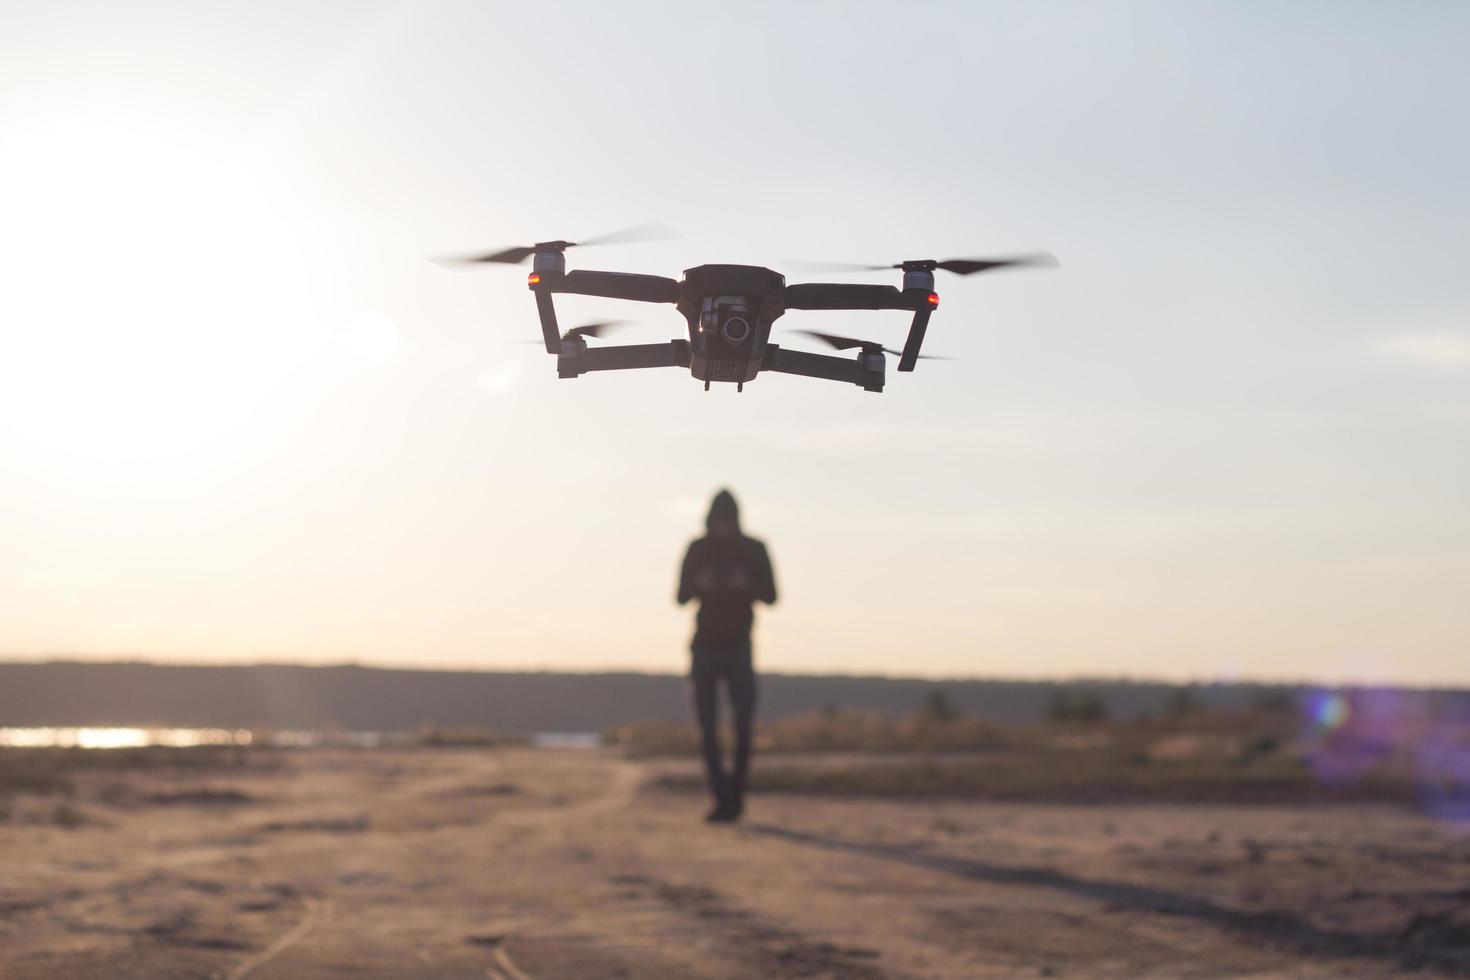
x: 568, y: 863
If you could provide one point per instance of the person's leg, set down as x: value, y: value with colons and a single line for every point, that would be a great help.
x: 741, y: 679
x: 705, y: 681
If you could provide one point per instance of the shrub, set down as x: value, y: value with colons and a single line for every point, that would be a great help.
x: 1067, y: 705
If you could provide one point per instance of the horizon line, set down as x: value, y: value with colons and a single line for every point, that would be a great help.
x: 58, y: 659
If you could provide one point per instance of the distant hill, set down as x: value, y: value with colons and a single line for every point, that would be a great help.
x: 375, y: 699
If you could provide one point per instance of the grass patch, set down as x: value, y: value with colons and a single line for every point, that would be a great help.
x: 1086, y: 776
x: 431, y: 736
x: 24, y: 773
x: 1246, y: 756
x: 201, y: 796
x: 61, y: 772
x: 830, y: 730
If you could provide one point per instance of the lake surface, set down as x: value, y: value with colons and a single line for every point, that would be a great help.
x: 138, y: 737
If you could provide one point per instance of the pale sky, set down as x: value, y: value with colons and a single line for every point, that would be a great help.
x: 243, y: 416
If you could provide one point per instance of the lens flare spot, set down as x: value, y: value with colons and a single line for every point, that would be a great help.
x: 1330, y: 711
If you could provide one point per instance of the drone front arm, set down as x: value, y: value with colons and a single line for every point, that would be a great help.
x: 915, y: 340
x: 615, y: 285
x: 550, y: 332
x: 848, y: 296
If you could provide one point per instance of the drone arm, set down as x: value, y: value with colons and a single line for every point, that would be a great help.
x: 550, y: 332
x: 910, y: 355
x: 624, y: 357
x: 808, y: 365
x: 615, y: 285
x: 848, y: 296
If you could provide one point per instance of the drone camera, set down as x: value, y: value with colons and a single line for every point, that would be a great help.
x: 735, y: 329
x: 727, y: 322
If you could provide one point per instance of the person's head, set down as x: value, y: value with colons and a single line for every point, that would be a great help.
x: 724, y: 516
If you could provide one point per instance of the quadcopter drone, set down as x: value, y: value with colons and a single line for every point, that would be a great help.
x: 730, y: 310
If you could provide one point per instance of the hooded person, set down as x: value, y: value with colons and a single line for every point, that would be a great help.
x: 728, y: 573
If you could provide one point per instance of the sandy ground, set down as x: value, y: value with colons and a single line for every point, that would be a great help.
x: 535, y: 863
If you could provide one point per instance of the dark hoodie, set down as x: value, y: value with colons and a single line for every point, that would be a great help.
x: 728, y: 575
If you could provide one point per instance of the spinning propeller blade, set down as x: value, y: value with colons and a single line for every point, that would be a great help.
x: 592, y: 329
x: 960, y: 267
x: 650, y: 231
x: 847, y: 343
x: 968, y: 267
x: 520, y: 253
x: 585, y: 330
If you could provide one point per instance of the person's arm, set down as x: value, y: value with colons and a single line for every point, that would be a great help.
x: 686, y: 577
x: 763, y: 577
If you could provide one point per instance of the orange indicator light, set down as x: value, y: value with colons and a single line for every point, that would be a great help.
x: 933, y: 299
x: 533, y: 278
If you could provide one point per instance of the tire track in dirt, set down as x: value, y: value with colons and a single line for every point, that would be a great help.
x: 771, y: 950
x: 1278, y: 928
x: 508, y: 965
x: 626, y: 779
x: 315, y: 910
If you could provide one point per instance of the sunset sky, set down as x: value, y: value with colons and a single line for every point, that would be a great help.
x: 244, y: 417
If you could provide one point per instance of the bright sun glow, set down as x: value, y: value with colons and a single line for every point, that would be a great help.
x: 154, y: 290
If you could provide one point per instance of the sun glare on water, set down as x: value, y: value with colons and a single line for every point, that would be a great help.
x: 120, y: 738
x: 154, y: 290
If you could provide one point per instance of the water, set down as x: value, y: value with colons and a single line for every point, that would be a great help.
x: 142, y: 737
x: 566, y: 740
x: 121, y: 738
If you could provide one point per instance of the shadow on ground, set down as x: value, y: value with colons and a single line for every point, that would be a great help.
x: 1428, y: 942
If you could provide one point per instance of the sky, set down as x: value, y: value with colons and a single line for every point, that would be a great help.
x: 245, y: 417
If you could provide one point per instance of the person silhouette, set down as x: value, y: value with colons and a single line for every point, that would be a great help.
x: 728, y: 573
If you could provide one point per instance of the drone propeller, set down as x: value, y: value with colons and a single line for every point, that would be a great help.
x: 520, y: 253
x: 847, y: 343
x: 586, y: 330
x: 960, y: 267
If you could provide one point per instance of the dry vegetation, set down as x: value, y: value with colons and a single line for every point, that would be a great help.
x: 1264, y: 754
x: 72, y: 787
x: 831, y: 730
x: 69, y: 787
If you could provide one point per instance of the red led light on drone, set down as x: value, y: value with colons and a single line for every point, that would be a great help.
x: 533, y: 278
x: 933, y: 299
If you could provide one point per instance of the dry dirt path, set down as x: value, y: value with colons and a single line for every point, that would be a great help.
x: 554, y: 864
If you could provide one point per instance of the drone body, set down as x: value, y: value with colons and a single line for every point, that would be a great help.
x: 729, y: 311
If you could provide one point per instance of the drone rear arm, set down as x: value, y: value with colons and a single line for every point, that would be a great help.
x: 673, y: 353
x: 853, y: 371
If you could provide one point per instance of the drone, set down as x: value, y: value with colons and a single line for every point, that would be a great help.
x: 730, y: 310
